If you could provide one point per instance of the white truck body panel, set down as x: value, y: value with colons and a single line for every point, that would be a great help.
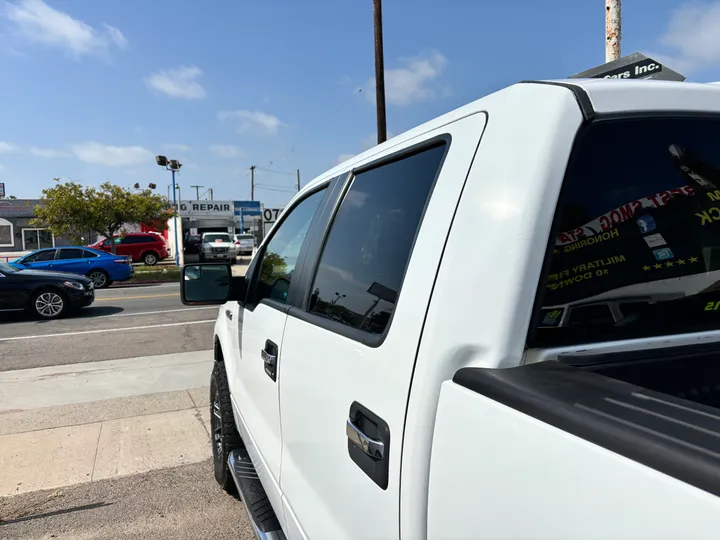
x: 583, y: 490
x: 459, y: 461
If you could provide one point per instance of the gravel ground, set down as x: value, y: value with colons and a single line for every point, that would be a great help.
x: 182, y: 503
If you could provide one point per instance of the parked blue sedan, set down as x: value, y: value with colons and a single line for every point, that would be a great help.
x: 103, y: 268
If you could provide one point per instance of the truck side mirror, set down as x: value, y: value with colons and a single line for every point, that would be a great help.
x: 205, y: 284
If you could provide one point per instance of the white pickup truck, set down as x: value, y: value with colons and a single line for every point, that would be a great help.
x: 399, y: 363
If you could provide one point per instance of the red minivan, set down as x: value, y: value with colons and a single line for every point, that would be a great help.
x: 146, y: 247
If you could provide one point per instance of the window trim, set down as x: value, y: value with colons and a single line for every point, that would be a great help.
x: 362, y: 336
x: 531, y: 341
x: 253, y: 273
x: 41, y: 250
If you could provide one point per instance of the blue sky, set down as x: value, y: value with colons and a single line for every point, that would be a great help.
x: 92, y: 90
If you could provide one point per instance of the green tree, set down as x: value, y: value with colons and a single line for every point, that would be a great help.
x: 69, y: 209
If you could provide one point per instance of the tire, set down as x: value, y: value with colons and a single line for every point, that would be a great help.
x: 150, y: 258
x: 49, y: 304
x: 100, y: 278
x: 223, y: 432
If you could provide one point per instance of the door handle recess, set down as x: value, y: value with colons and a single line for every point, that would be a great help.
x: 228, y: 314
x: 372, y: 447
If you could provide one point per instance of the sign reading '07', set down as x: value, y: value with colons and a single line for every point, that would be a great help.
x: 271, y: 215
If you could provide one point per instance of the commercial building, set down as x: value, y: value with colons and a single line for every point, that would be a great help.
x: 16, y: 231
x: 231, y: 216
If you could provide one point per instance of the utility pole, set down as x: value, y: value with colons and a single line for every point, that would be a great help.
x: 380, y: 73
x: 298, y: 177
x: 613, y: 29
x: 252, y: 182
x: 197, y: 192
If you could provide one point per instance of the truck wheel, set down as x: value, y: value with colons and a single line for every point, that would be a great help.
x: 223, y: 432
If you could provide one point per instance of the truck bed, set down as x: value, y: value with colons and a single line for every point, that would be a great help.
x: 658, y: 407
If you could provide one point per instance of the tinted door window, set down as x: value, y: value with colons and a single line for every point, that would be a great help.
x: 40, y: 256
x: 640, y: 225
x: 368, y: 247
x: 70, y: 254
x: 281, y: 254
x: 87, y: 254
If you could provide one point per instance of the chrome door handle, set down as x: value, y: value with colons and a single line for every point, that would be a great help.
x: 269, y: 359
x: 228, y: 314
x: 372, y: 447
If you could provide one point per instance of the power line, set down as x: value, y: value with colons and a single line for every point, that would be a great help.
x: 271, y: 171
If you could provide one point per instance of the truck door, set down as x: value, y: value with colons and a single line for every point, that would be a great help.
x: 261, y: 327
x: 348, y: 351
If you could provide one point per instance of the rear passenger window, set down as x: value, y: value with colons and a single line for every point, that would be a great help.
x: 639, y: 230
x: 362, y: 265
x: 70, y: 253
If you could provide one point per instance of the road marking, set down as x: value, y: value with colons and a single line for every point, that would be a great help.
x: 84, y: 332
x: 107, y: 298
x: 154, y: 312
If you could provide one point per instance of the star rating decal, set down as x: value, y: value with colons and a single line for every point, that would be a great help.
x: 670, y: 264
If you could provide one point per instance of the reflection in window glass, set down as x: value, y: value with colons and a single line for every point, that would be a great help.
x: 280, y: 258
x: 6, y: 236
x: 363, y: 263
x: 639, y: 232
x: 40, y: 256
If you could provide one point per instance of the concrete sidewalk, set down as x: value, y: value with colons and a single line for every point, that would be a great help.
x: 56, y: 429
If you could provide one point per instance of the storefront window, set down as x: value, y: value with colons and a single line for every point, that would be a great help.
x: 37, y: 239
x: 6, y: 233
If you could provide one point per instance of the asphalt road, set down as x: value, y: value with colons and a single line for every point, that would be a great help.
x: 122, y: 323
x: 182, y: 503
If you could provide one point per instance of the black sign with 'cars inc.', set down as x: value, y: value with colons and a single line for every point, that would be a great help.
x: 632, y: 66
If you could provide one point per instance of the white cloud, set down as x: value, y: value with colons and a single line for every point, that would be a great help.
x: 225, y: 150
x: 36, y: 21
x: 112, y: 156
x: 248, y: 120
x: 47, y: 152
x: 411, y: 83
x: 344, y: 157
x: 693, y: 36
x: 178, y: 83
x: 117, y: 37
x: 177, y: 147
x: 8, y: 148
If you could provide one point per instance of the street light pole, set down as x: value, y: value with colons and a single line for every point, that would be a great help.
x: 175, y: 213
x: 172, y: 165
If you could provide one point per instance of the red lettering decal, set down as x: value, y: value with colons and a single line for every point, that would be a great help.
x: 626, y: 212
x: 689, y: 190
x: 637, y: 205
x: 654, y: 200
x: 616, y: 217
x: 665, y: 197
x: 676, y: 191
x: 564, y: 237
x: 605, y: 223
x: 579, y: 233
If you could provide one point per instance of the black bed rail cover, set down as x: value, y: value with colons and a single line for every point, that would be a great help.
x: 671, y: 435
